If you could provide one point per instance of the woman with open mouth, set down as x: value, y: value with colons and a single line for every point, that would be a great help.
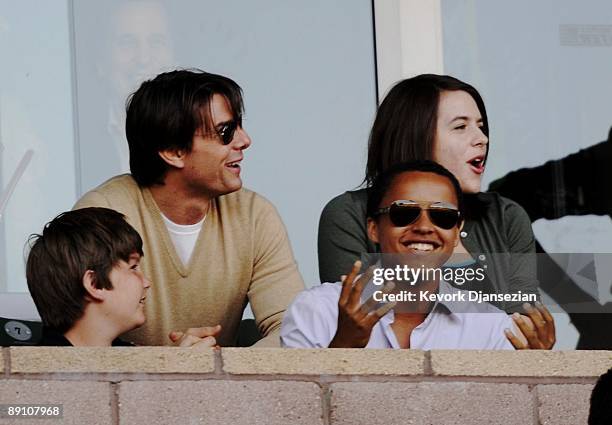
x: 440, y: 118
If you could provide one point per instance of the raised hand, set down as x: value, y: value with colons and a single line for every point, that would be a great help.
x: 356, y: 320
x: 538, y: 327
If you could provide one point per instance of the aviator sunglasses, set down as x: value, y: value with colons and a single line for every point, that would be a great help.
x: 402, y: 213
x: 226, y: 130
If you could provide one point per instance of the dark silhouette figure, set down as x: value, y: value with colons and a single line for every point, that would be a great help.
x: 579, y: 184
x: 601, y: 401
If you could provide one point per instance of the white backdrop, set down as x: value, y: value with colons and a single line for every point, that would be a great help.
x: 35, y: 114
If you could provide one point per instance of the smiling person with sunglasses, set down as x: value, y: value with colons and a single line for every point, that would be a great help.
x: 414, y: 214
x: 441, y: 118
x: 211, y: 246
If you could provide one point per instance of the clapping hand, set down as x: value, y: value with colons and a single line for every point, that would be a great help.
x: 538, y: 328
x: 203, y: 337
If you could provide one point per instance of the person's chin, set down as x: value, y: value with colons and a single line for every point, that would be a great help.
x: 139, y: 321
x: 472, y: 186
x: 140, y: 317
x: 234, y: 185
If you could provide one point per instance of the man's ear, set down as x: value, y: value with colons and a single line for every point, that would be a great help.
x: 173, y: 157
x: 89, y: 283
x: 372, y: 230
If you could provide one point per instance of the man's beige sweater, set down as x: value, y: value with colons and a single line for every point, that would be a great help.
x: 242, y: 254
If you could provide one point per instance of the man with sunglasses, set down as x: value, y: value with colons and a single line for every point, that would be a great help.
x: 210, y: 245
x: 414, y: 214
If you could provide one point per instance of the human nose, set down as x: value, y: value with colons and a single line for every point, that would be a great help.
x: 143, y: 58
x: 423, y: 223
x: 146, y: 283
x: 480, y: 138
x: 241, y: 139
x: 144, y: 54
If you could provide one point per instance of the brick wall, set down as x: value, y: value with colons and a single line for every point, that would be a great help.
x: 275, y: 386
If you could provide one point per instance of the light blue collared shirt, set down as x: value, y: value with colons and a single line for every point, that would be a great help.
x: 311, y: 321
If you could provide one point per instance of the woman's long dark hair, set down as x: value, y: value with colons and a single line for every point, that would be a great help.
x: 405, y: 125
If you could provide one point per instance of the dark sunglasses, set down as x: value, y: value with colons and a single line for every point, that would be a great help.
x: 403, y: 213
x: 226, y: 131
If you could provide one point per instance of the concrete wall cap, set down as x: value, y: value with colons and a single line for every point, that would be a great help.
x: 323, y: 361
x: 528, y: 363
x: 111, y: 360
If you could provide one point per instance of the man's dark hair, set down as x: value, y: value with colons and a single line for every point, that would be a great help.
x: 405, y: 124
x: 382, y: 182
x: 165, y: 112
x: 601, y: 401
x: 72, y: 243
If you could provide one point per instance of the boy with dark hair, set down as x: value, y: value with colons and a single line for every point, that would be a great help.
x: 84, y: 276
